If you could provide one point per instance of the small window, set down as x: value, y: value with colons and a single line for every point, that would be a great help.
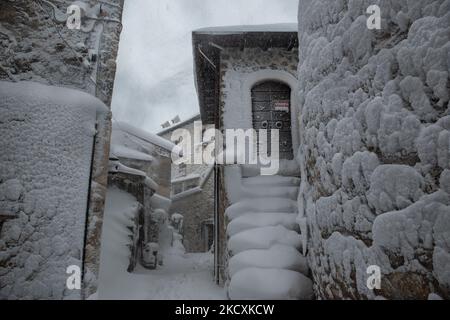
x: 177, y: 188
x: 185, y: 185
x: 182, y: 169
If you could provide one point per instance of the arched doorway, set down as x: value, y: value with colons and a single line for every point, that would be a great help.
x: 271, y: 109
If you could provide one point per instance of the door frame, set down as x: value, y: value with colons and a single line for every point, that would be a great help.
x: 254, y: 78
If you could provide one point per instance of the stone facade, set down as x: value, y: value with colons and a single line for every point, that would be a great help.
x: 36, y: 45
x: 375, y: 147
x: 198, y: 213
x: 197, y: 207
x: 237, y: 67
x: 239, y: 70
x: 45, y: 167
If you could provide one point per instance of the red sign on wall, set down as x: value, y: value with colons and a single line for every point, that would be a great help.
x: 281, y: 105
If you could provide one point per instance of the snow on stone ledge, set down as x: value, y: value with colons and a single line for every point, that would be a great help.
x: 375, y: 152
x: 46, y: 146
x: 277, y: 27
x: 148, y: 137
x: 271, y: 284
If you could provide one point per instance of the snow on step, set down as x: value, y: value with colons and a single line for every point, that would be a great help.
x: 261, y: 205
x: 262, y: 219
x: 263, y: 238
x: 262, y: 191
x: 269, y: 284
x: 271, y: 180
x: 278, y: 256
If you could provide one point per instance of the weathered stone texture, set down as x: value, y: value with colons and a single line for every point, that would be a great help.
x: 36, y: 45
x: 196, y: 209
x: 375, y: 147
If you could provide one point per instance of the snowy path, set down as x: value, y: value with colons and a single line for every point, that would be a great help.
x: 183, y: 275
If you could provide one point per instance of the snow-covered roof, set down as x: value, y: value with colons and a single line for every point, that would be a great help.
x: 115, y: 166
x: 278, y: 27
x: 179, y: 125
x: 160, y: 202
x: 186, y: 178
x: 121, y: 151
x: 146, y: 136
x: 208, y: 42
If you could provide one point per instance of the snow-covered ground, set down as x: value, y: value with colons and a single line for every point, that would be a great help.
x: 182, y: 276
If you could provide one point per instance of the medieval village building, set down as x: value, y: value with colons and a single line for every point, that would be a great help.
x: 193, y: 194
x: 246, y: 78
x: 32, y: 70
x: 140, y: 164
x: 363, y: 178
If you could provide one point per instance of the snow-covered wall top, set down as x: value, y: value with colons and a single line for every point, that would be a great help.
x: 46, y: 146
x: 278, y: 27
x: 375, y: 151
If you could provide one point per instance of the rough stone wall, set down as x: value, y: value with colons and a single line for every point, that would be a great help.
x: 195, y: 209
x: 235, y: 65
x: 46, y: 150
x: 375, y: 147
x: 161, y: 173
x: 221, y: 256
x: 36, y: 45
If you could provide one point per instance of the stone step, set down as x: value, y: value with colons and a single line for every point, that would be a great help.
x: 263, y: 238
x: 268, y: 204
x: 264, y: 191
x: 262, y: 219
x: 269, y: 284
x: 286, y: 168
x: 278, y: 256
x: 271, y: 180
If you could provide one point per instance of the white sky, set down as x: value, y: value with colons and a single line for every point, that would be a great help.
x: 154, y: 79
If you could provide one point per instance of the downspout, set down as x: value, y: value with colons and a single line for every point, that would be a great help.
x: 216, y: 225
x: 88, y: 204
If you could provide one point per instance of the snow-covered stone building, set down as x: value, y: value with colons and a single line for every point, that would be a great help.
x: 47, y: 141
x: 375, y: 147
x: 193, y: 194
x: 369, y: 119
x: 246, y: 78
x: 140, y: 165
x: 37, y: 46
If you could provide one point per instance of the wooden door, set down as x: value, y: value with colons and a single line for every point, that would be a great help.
x: 271, y: 109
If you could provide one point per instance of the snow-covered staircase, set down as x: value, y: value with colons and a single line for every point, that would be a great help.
x: 264, y: 241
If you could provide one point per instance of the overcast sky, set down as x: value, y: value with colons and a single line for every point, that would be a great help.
x: 154, y: 79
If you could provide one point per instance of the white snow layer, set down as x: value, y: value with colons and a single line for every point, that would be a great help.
x: 147, y: 136
x: 277, y: 27
x: 375, y: 152
x: 46, y: 145
x: 269, y: 284
x: 264, y: 239
x: 182, y: 276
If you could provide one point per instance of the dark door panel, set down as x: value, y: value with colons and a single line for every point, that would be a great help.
x: 271, y: 109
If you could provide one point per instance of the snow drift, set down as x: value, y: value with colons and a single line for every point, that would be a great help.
x: 46, y: 146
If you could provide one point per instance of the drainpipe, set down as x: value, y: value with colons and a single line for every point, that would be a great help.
x: 216, y: 225
x: 88, y: 204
